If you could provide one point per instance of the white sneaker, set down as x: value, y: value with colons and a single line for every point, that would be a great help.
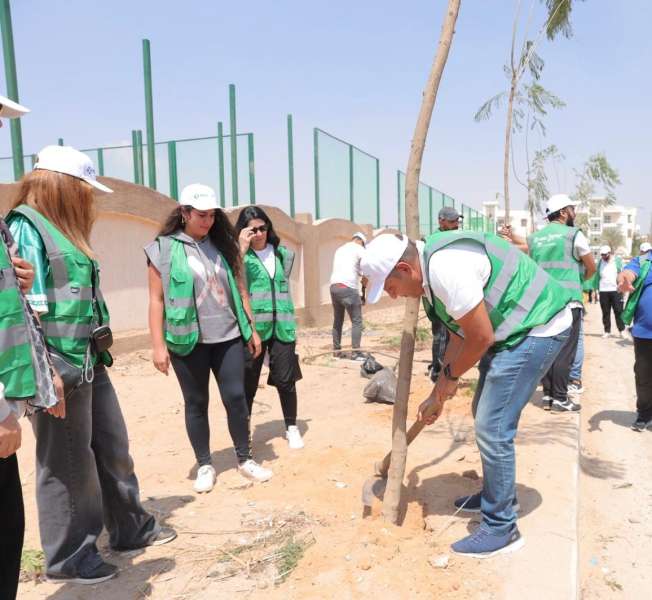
x: 252, y: 470
x: 606, y: 335
x: 621, y: 335
x: 205, y: 481
x: 293, y: 436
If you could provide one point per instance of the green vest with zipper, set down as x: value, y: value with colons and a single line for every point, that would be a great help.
x: 552, y: 249
x: 270, y: 298
x: 632, y: 302
x: 75, y: 302
x: 181, y: 321
x: 16, y: 366
x: 519, y: 295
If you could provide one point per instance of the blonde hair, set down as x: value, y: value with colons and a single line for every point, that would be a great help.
x: 66, y: 201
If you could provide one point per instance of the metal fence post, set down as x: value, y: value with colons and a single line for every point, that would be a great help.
x: 234, y: 146
x: 291, y: 164
x: 141, y: 168
x: 252, y: 169
x: 149, y: 115
x: 60, y: 141
x: 100, y: 161
x: 134, y: 154
x: 12, y: 87
x: 220, y: 160
x: 430, y: 229
x: 398, y: 197
x: 33, y: 158
x: 172, y: 168
x: 377, y: 193
x: 315, y: 142
x: 351, y: 199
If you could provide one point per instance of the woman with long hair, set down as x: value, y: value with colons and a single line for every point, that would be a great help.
x: 84, y: 475
x: 200, y: 320
x: 268, y: 266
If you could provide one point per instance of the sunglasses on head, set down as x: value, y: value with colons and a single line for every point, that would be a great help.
x: 262, y: 229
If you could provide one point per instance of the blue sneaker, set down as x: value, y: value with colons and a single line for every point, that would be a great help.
x: 484, y: 544
x: 472, y: 503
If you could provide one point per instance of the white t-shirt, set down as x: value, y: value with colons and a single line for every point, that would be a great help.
x: 458, y: 274
x: 346, y: 265
x: 609, y: 276
x: 268, y: 258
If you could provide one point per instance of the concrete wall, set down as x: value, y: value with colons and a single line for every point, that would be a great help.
x: 130, y: 217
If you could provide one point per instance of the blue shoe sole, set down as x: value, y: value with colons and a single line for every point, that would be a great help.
x: 513, y: 547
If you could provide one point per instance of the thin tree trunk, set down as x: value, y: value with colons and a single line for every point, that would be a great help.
x: 412, y: 173
x: 508, y: 138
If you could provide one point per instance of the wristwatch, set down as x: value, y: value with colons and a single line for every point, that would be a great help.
x: 447, y: 373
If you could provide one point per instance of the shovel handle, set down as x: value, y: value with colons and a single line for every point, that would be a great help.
x: 383, y: 466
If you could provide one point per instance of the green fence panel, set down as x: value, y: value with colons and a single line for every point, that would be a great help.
x: 365, y: 187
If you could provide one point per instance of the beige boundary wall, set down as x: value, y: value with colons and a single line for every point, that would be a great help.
x: 130, y: 217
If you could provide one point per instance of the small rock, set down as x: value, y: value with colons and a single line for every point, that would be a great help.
x: 365, y: 565
x: 347, y: 557
x: 239, y: 485
x: 341, y: 485
x: 621, y: 486
x: 439, y: 561
x: 471, y: 474
x: 459, y: 437
x: 461, y: 458
x: 251, y: 503
x: 633, y: 520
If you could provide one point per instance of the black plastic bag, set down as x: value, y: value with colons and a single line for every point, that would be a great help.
x: 370, y: 367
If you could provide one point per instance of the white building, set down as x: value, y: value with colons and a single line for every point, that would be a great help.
x: 602, y: 216
x: 519, y: 219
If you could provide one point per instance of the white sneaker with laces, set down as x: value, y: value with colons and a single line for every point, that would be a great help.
x: 293, y: 436
x: 606, y: 335
x: 205, y: 480
x: 252, y: 470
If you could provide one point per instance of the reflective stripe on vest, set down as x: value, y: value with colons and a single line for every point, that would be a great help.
x: 181, y: 320
x: 271, y: 301
x: 16, y: 366
x: 552, y: 249
x: 71, y: 315
x: 518, y: 295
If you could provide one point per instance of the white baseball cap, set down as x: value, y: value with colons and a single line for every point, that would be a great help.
x: 557, y: 202
x: 11, y: 109
x: 198, y: 196
x: 361, y: 236
x: 645, y: 247
x: 67, y: 160
x: 605, y: 250
x: 380, y: 258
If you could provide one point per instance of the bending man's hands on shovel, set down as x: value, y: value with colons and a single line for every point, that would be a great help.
x: 431, y: 408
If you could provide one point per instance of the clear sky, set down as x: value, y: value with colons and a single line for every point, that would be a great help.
x: 353, y: 68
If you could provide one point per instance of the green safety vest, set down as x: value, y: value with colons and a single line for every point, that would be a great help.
x: 519, y: 295
x: 72, y: 282
x: 552, y: 249
x: 16, y: 366
x: 181, y: 321
x: 271, y: 302
x: 635, y: 296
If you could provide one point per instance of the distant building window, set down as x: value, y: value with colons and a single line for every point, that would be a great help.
x: 607, y: 218
x: 629, y: 218
x: 523, y: 222
x: 595, y: 225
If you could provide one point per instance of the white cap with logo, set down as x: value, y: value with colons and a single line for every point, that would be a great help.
x: 605, y: 250
x: 67, y: 160
x: 10, y: 109
x: 200, y: 197
x: 361, y: 236
x: 380, y: 258
x: 557, y: 202
x: 645, y: 247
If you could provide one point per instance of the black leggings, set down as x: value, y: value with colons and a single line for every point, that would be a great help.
x: 226, y: 360
x: 282, y: 370
x: 12, y: 526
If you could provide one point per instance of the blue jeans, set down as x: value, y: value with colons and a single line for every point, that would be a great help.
x: 576, y: 367
x: 507, y: 381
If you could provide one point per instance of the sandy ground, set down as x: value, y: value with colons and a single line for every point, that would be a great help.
x: 321, y: 486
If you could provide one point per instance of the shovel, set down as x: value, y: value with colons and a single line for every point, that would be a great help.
x: 374, y: 487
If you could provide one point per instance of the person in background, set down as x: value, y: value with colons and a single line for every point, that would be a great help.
x: 267, y: 267
x: 200, y: 321
x: 27, y: 383
x: 636, y: 279
x: 345, y: 293
x: 644, y: 248
x: 85, y: 476
x: 449, y: 220
x: 610, y: 298
x: 589, y: 288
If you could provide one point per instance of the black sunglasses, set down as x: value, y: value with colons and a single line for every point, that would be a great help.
x: 262, y: 229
